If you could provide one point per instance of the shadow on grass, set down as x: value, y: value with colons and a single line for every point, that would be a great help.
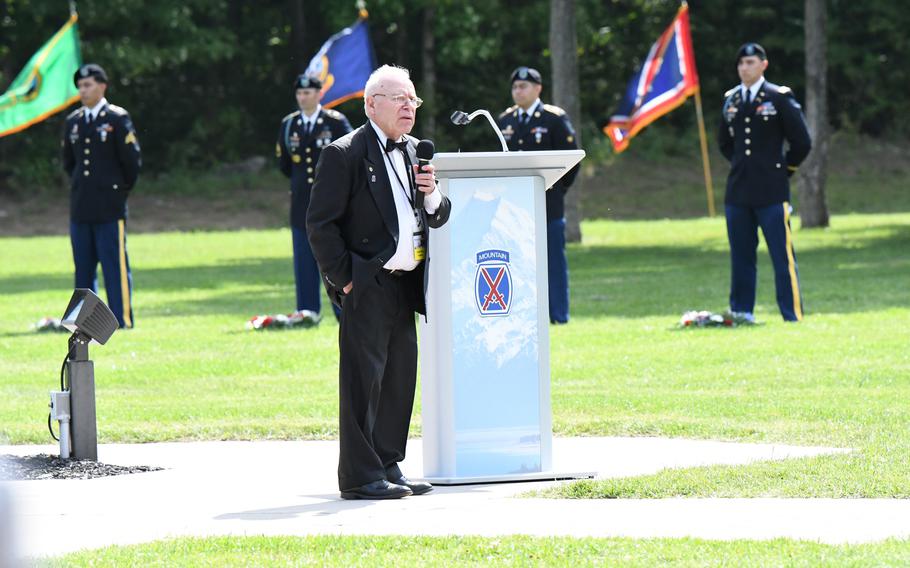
x: 254, y: 272
x: 862, y: 272
x: 247, y: 287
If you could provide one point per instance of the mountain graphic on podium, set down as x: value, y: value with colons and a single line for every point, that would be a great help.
x: 495, y: 218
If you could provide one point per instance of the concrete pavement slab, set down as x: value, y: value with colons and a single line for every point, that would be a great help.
x: 289, y: 488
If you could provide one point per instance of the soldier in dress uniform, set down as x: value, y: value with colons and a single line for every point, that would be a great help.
x: 102, y: 157
x: 532, y: 125
x: 301, y: 138
x: 758, y: 118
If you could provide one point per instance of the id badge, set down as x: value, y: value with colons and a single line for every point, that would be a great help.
x: 420, y: 251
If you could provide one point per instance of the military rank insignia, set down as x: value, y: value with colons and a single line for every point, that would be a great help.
x: 730, y: 110
x: 766, y: 109
x: 538, y: 133
x: 493, y: 283
x: 104, y: 130
x: 324, y: 138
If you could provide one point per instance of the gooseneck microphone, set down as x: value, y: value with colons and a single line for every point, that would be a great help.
x: 461, y: 118
x: 425, y: 151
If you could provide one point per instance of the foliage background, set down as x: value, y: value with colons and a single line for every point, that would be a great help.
x: 207, y: 81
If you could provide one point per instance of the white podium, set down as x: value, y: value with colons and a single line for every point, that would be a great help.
x: 485, y: 348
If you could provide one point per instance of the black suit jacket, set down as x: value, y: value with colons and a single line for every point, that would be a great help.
x: 352, y: 224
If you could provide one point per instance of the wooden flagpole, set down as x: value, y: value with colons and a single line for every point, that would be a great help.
x: 709, y: 187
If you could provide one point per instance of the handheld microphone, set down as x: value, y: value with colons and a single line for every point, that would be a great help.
x: 425, y: 151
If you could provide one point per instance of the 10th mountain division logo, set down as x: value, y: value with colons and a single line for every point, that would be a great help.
x: 493, y: 283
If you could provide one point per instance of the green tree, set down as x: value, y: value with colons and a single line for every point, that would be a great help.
x: 208, y: 80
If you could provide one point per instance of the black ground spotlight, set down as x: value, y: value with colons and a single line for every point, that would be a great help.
x: 73, y: 406
x: 88, y: 317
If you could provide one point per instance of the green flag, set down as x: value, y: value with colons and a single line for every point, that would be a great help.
x: 45, y: 86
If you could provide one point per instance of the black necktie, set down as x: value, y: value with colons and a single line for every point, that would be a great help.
x: 403, y: 146
x: 748, y: 97
x: 525, y: 118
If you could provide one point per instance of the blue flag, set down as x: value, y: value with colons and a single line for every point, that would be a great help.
x: 344, y: 64
x: 665, y: 80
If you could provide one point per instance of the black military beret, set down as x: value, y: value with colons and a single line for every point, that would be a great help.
x: 526, y: 74
x: 90, y: 70
x: 751, y: 48
x: 307, y: 82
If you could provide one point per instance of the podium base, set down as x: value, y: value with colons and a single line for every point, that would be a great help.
x: 510, y: 478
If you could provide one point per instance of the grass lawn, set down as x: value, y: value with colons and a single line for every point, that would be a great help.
x: 191, y: 371
x: 475, y: 551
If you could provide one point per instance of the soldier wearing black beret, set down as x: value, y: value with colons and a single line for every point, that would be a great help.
x: 101, y: 155
x: 764, y: 136
x: 532, y: 125
x: 302, y: 136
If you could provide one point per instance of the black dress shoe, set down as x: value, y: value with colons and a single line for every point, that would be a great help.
x: 416, y: 487
x: 380, y: 489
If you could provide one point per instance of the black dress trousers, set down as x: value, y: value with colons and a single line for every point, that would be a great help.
x: 378, y: 347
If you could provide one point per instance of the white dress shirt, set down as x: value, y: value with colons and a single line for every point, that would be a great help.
x: 403, y: 259
x: 92, y: 113
x: 753, y: 89
x: 311, y: 119
x: 529, y: 112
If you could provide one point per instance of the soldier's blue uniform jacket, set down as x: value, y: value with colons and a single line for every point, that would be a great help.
x: 548, y: 128
x: 103, y: 160
x: 752, y: 139
x: 298, y: 153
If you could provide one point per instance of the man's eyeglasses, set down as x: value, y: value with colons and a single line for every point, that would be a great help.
x: 402, y: 99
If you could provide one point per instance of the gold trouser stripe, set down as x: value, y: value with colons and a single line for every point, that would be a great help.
x: 791, y: 265
x: 124, y: 276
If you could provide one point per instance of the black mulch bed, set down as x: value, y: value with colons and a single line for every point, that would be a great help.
x: 44, y: 466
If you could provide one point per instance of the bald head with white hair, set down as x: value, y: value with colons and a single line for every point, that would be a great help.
x: 386, y: 82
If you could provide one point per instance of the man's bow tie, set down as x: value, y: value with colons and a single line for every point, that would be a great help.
x: 389, y: 145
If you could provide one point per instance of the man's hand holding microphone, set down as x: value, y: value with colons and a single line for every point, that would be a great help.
x: 423, y: 171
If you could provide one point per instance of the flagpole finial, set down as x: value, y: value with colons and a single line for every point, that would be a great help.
x: 362, y: 9
x: 72, y: 7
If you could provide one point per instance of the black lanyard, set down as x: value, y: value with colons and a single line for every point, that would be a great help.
x: 409, y: 195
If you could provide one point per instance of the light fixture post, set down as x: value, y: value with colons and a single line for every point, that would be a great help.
x: 80, y: 376
x: 91, y: 321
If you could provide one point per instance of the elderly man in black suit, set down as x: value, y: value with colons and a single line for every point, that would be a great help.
x: 369, y: 235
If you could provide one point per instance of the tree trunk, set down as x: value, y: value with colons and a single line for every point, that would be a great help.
x: 813, y: 173
x: 403, y: 45
x: 564, y: 59
x: 298, y: 38
x: 428, y: 89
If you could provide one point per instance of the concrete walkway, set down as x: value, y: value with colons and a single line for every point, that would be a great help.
x: 289, y: 488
